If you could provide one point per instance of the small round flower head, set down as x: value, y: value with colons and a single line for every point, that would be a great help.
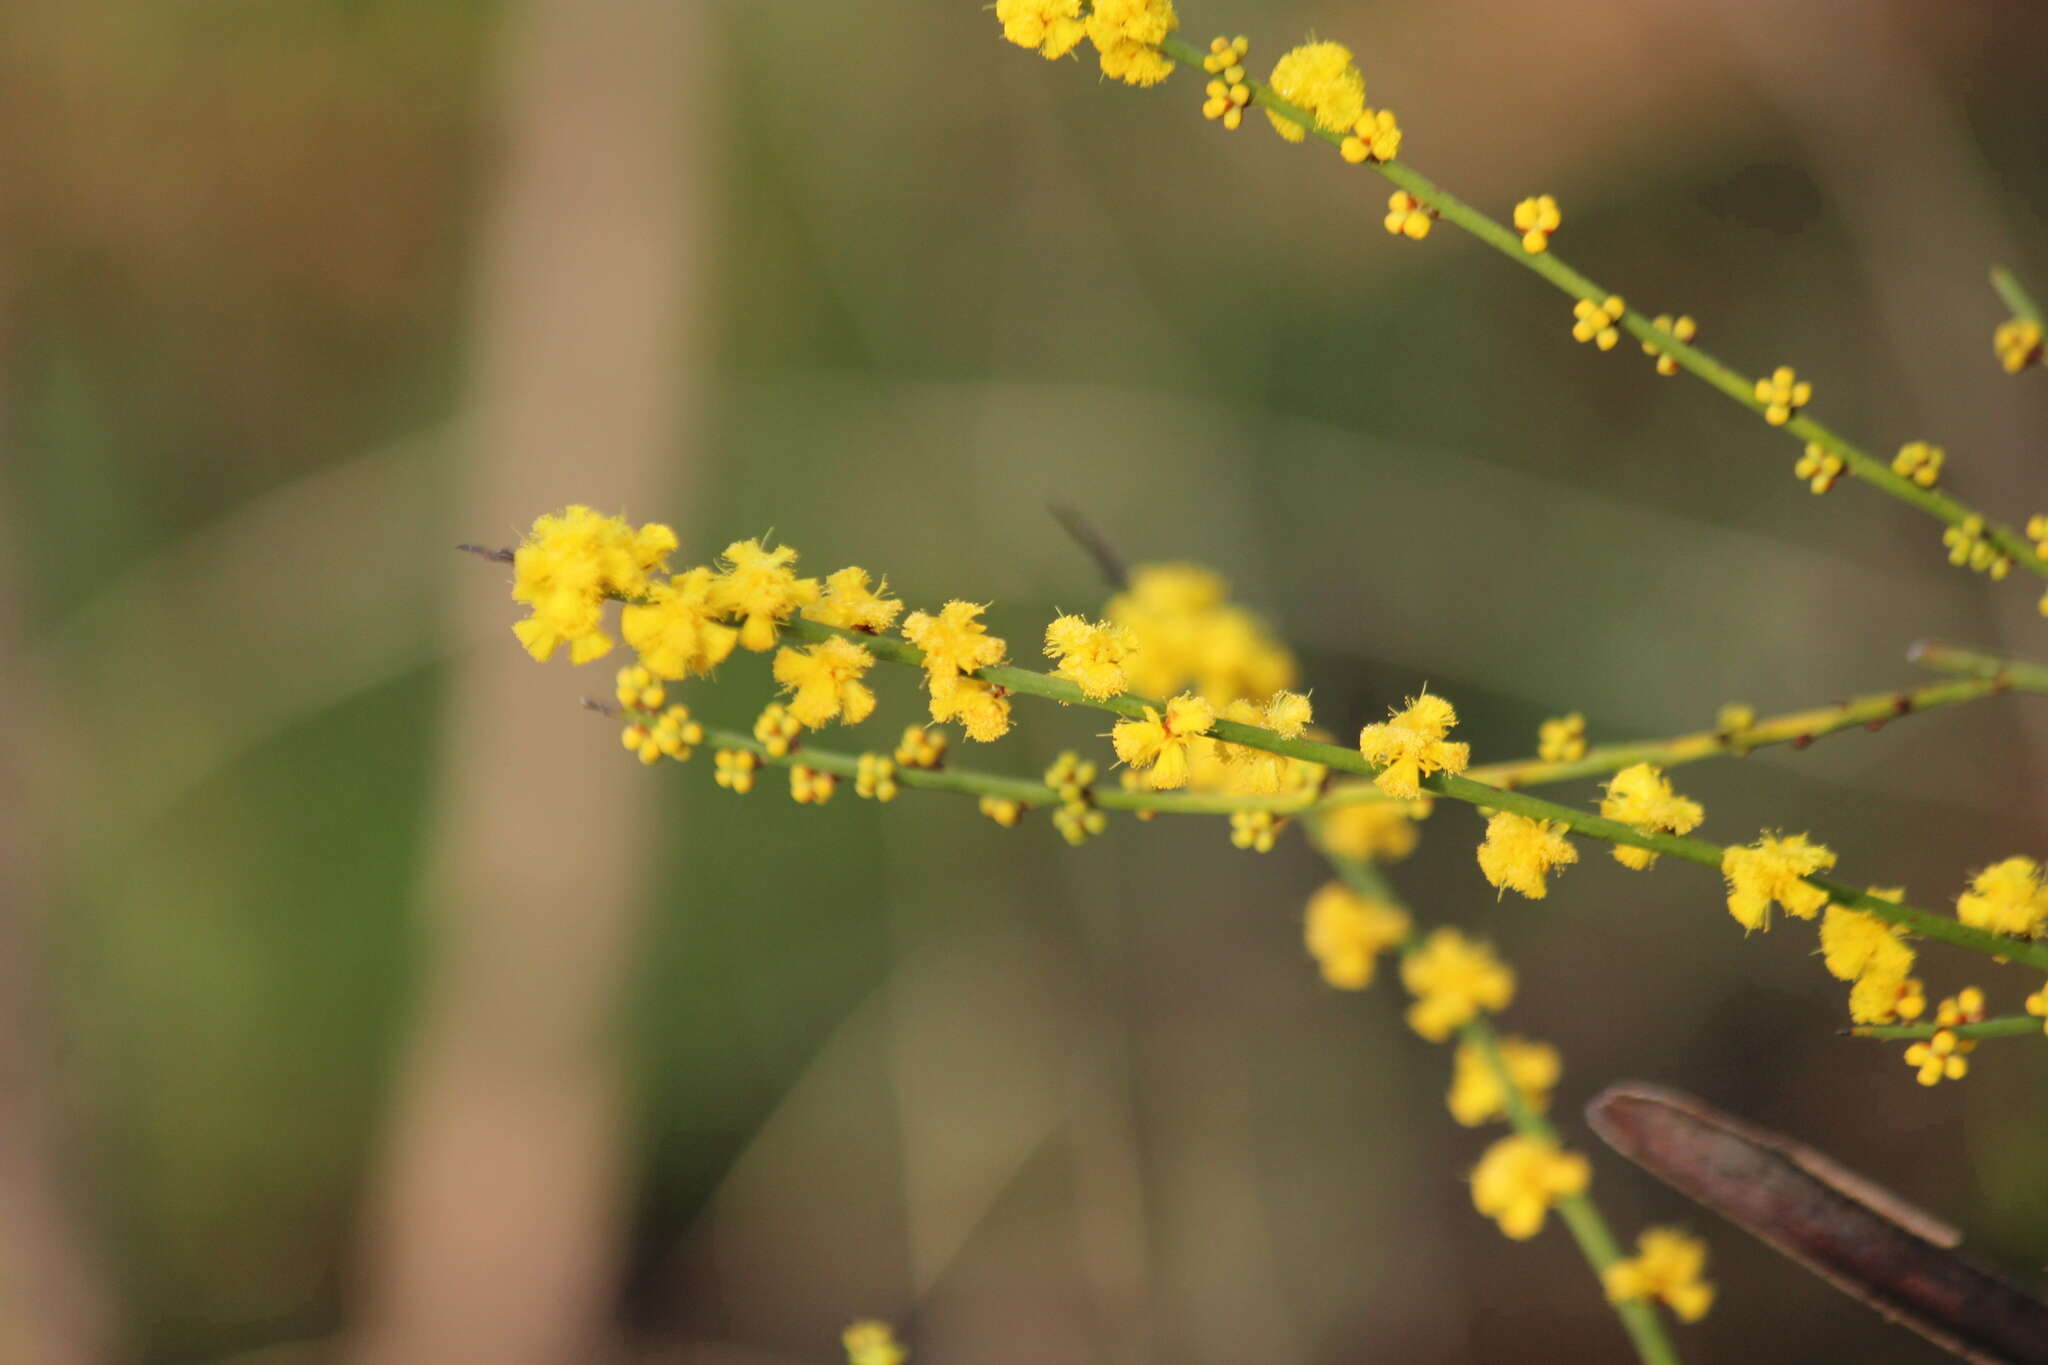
x: 1519, y: 1178
x: 1879, y: 998
x: 777, y: 730
x: 1476, y: 1096
x: 872, y: 1343
x: 1408, y: 216
x: 1002, y: 810
x: 1561, y: 739
x: 1599, y: 323
x: 2017, y: 343
x: 759, y: 586
x: 1920, y: 462
x: 954, y: 642
x: 1536, y: 219
x: 809, y: 787
x: 921, y: 747
x: 638, y: 689
x: 1078, y: 822
x: 1346, y: 932
x: 874, y: 778
x: 2006, y: 898
x: 734, y: 770
x: 1412, y: 745
x: 1865, y: 950
x: 1683, y: 328
x: 1051, y: 27
x: 675, y: 627
x: 1452, y: 978
x: 1667, y: 1266
x: 1260, y: 772
x: 639, y: 741
x: 850, y: 602
x: 1772, y: 869
x: 1127, y: 34
x: 1640, y: 795
x: 1256, y: 830
x: 1090, y: 656
x: 1071, y: 776
x: 1160, y: 743
x: 1376, y: 136
x: 982, y: 709
x: 1320, y: 78
x: 1782, y: 392
x: 1819, y: 466
x: 1519, y: 853
x: 675, y: 734
x: 824, y: 682
x: 1944, y: 1057
x: 568, y: 565
x: 1373, y: 831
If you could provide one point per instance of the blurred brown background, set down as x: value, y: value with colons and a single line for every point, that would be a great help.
x: 358, y: 998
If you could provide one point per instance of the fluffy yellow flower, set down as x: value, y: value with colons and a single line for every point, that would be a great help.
x: 1561, y: 738
x: 982, y: 709
x: 759, y: 586
x: 1160, y: 744
x: 569, y: 563
x: 1877, y: 998
x: 1452, y: 979
x: 1090, y: 656
x: 851, y: 603
x: 954, y: 642
x: 1667, y: 1265
x: 1127, y: 34
x: 872, y: 1343
x: 1051, y: 27
x: 2006, y: 898
x: 1769, y: 870
x: 1519, y: 1178
x: 1345, y: 933
x: 1411, y: 746
x: 1320, y: 78
x: 1476, y: 1096
x: 676, y: 629
x: 1519, y: 853
x: 1188, y: 634
x: 1260, y: 771
x: 824, y: 681
x: 1854, y: 945
x: 1373, y: 831
x: 1641, y: 796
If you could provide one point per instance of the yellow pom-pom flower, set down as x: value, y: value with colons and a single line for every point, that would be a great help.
x: 1682, y: 328
x: 1770, y: 870
x: 1160, y: 743
x: 1261, y: 772
x: 1408, y: 216
x: 1373, y: 831
x: 1783, y: 393
x: 1640, y: 795
x: 1346, y: 932
x: 824, y: 682
x: 1536, y: 219
x: 1668, y: 1266
x: 2017, y: 343
x: 1452, y: 978
x: 1519, y: 1178
x: 1599, y: 323
x: 1519, y: 853
x: 982, y: 709
x: 759, y: 586
x: 1920, y: 462
x: 566, y: 568
x: 954, y: 642
x: 1127, y: 34
x: 1412, y: 745
x: 1476, y: 1095
x: 2006, y: 898
x: 1561, y: 739
x: 675, y: 628
x: 1090, y: 656
x: 1321, y: 79
x: 851, y: 602
x: 1190, y: 635
x: 1051, y: 27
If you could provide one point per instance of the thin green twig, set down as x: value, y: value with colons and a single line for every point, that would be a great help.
x: 2015, y: 295
x: 2010, y: 1026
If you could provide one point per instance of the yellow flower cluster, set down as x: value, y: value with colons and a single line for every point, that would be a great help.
x: 1667, y: 1266
x: 1773, y: 869
x: 1227, y: 92
x: 1408, y: 216
x: 1346, y: 932
x: 1519, y: 853
x: 2006, y: 898
x: 1256, y: 830
x: 1051, y: 27
x: 1599, y: 323
x: 1968, y: 546
x: 874, y: 778
x: 1561, y: 739
x: 1090, y: 656
x: 735, y: 769
x: 1375, y: 136
x: 1683, y: 328
x: 1782, y: 392
x: 1519, y: 1178
x: 1187, y: 634
x: 639, y: 690
x: 1819, y: 466
x: 1920, y: 462
x: 955, y: 644
x: 1412, y: 745
x: 1373, y: 831
x: 1002, y: 810
x: 1321, y: 79
x: 1641, y: 796
x: 1873, y: 955
x: 1127, y: 34
x: 809, y: 787
x: 2037, y: 1005
x: 673, y: 735
x: 1536, y: 219
x: 824, y: 682
x: 569, y: 565
x: 777, y: 730
x: 1453, y: 978
x: 1945, y: 1056
x: 1259, y: 771
x: 872, y: 1343
x: 1165, y: 744
x: 851, y: 602
x: 920, y: 747
x: 2017, y: 343
x: 1476, y: 1095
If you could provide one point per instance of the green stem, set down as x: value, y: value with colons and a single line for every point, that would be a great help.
x: 2015, y: 295
x: 2001, y: 673
x: 1871, y: 470
x: 2011, y: 1026
x: 1922, y: 922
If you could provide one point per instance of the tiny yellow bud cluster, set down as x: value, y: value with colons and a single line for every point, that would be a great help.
x: 1819, y: 466
x: 1561, y: 739
x: 1599, y: 323
x: 1002, y: 810
x: 1131, y: 780
x: 1968, y: 547
x: 1077, y: 818
x: 921, y: 747
x: 874, y: 778
x: 2017, y: 343
x: 736, y: 769
x: 809, y: 787
x: 1255, y: 829
x: 1733, y: 718
x: 1945, y: 1056
x: 1375, y: 136
x: 1667, y: 1266
x: 777, y: 729
x: 1408, y: 216
x: 2037, y: 1005
x: 1782, y: 392
x: 1683, y: 328
x: 1227, y: 92
x: 1536, y: 219
x: 872, y: 1343
x: 639, y: 690
x: 1920, y: 462
x: 2037, y: 531
x: 1078, y: 822
x: 673, y: 735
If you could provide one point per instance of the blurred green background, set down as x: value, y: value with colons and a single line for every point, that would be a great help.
x: 361, y: 1000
